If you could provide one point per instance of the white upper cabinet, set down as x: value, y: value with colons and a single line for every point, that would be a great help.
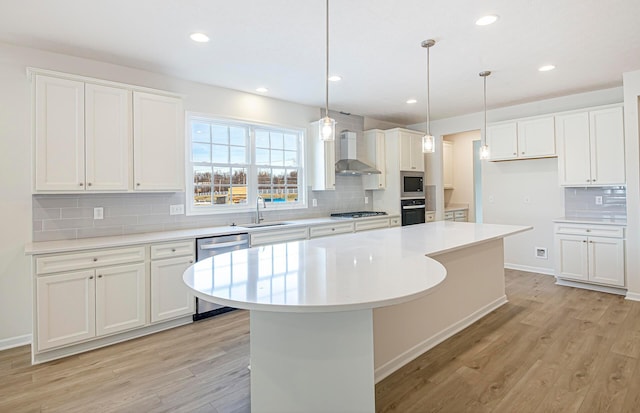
x: 411, y: 156
x: 591, y: 148
x: 376, y: 156
x: 107, y: 138
x: 59, y: 134
x: 322, y: 156
x: 85, y: 133
x: 158, y: 142
x: 522, y: 139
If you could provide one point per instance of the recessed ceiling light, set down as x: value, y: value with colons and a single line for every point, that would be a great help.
x: 486, y: 20
x: 262, y: 90
x: 199, y: 37
x: 546, y: 68
x: 411, y: 101
x: 335, y: 78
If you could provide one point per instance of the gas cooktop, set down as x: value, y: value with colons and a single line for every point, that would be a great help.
x: 357, y: 214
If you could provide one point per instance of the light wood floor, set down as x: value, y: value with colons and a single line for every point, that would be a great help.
x: 550, y: 349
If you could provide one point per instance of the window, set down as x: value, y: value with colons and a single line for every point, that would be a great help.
x: 232, y: 163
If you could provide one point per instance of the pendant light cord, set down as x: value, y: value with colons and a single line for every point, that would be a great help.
x: 326, y: 77
x: 428, y: 97
x: 484, y: 78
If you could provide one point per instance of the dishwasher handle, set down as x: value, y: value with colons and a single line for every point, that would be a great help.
x: 218, y: 245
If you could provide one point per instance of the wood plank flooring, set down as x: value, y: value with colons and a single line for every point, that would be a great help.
x: 550, y: 349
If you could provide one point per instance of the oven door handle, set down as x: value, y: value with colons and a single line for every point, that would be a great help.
x: 218, y: 245
x: 414, y: 207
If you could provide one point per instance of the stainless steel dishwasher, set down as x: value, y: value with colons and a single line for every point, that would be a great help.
x: 208, y: 247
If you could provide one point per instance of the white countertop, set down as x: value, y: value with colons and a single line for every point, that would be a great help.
x: 347, y: 272
x: 597, y: 221
x: 47, y: 247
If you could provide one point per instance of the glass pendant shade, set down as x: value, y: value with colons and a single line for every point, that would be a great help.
x: 428, y: 144
x: 327, y: 130
x: 484, y: 152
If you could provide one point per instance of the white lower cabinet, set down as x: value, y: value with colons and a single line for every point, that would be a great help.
x: 331, y: 229
x: 375, y: 223
x: 76, y: 306
x: 586, y: 256
x: 430, y: 216
x: 280, y: 235
x: 170, y: 297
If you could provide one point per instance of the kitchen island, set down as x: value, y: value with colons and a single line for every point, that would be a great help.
x: 331, y: 316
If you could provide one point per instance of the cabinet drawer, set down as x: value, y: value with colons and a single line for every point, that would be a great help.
x: 430, y: 216
x: 448, y: 216
x: 372, y: 224
x: 460, y: 214
x: 590, y: 230
x: 333, y: 229
x: 172, y: 249
x: 91, y: 259
x: 395, y: 222
x: 273, y: 237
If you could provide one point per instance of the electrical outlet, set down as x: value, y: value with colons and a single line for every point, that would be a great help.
x: 176, y: 209
x: 366, y: 199
x: 598, y: 200
x: 314, y: 202
x: 541, y: 252
x: 98, y: 213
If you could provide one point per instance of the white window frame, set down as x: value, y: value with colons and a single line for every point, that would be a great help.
x: 252, y: 168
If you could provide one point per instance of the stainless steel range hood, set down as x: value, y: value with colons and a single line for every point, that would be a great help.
x: 348, y: 164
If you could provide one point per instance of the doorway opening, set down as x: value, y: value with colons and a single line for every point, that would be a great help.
x: 462, y: 179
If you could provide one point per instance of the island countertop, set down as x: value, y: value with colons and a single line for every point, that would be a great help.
x: 349, y: 272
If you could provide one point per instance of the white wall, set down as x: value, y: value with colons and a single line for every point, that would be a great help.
x: 632, y: 135
x: 511, y: 182
x: 15, y: 154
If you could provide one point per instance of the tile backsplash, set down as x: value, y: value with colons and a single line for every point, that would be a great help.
x: 57, y: 217
x: 582, y: 202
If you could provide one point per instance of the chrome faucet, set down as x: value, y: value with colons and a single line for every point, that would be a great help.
x: 264, y: 205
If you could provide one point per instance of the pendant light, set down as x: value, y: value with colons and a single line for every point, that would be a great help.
x: 428, y: 142
x: 327, y: 125
x: 484, y: 148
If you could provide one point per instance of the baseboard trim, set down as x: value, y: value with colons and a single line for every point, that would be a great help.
x: 527, y: 268
x: 12, y: 342
x: 632, y: 296
x: 592, y: 287
x: 397, y: 362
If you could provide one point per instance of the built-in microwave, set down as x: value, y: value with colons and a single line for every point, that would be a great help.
x: 411, y: 184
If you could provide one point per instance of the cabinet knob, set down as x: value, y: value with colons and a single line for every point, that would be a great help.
x: 81, y: 184
x: 138, y: 184
x: 593, y: 180
x: 523, y: 153
x: 588, y: 230
x: 190, y: 261
x: 88, y: 183
x: 95, y: 259
x: 333, y: 229
x: 91, y: 278
x: 584, y: 240
x: 100, y: 276
x: 173, y: 250
x: 515, y: 153
x: 413, y: 167
x: 588, y: 180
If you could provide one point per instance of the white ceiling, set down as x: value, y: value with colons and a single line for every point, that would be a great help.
x: 374, y: 46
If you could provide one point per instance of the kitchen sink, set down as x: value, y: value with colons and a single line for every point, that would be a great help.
x: 264, y: 224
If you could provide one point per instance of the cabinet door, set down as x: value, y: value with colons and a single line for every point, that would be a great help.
x: 170, y: 297
x: 502, y: 141
x: 607, y: 147
x: 376, y: 155
x: 59, y: 134
x: 65, y: 306
x: 536, y: 138
x: 574, y: 154
x: 107, y: 138
x: 405, y: 152
x: 417, y: 157
x: 572, y: 257
x: 606, y: 261
x: 158, y: 143
x: 447, y: 165
x: 120, y: 298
